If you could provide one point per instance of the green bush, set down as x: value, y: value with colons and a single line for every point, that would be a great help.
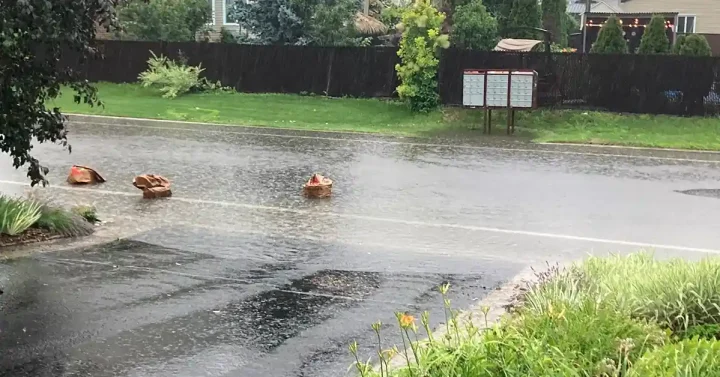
x: 474, y: 28
x: 610, y: 40
x: 655, y: 39
x: 66, y: 223
x: 692, y: 45
x: 226, y: 36
x: 688, y: 358
x: 676, y: 293
x: 89, y: 213
x: 165, y: 20
x: 174, y: 78
x: 17, y: 215
x: 419, y: 51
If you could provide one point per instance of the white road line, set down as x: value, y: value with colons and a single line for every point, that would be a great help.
x: 387, y: 142
x: 399, y: 221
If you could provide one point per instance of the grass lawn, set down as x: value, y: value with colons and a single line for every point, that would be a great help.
x: 393, y: 118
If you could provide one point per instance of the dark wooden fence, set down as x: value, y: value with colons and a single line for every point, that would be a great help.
x: 627, y: 83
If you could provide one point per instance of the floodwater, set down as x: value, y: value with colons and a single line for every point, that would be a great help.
x: 238, y: 275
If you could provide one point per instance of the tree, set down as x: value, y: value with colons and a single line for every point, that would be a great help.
x: 419, y: 51
x: 34, y: 35
x: 655, y: 39
x: 692, y: 45
x: 298, y: 22
x: 165, y: 20
x: 500, y: 9
x: 474, y: 27
x: 611, y: 39
x: 554, y: 13
x: 523, y: 14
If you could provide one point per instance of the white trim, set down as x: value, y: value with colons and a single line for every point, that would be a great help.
x: 686, y: 16
x: 224, y: 15
x: 212, y: 3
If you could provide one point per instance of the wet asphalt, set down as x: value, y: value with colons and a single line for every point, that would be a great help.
x: 238, y: 275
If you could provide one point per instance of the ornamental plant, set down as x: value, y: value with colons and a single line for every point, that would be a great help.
x: 611, y: 39
x: 419, y: 54
x: 692, y: 45
x: 655, y: 39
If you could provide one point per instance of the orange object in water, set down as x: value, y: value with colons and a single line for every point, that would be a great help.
x: 318, y: 187
x: 84, y: 175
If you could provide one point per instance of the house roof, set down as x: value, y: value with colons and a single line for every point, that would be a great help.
x: 598, y: 6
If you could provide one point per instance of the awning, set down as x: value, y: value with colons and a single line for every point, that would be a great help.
x: 516, y: 45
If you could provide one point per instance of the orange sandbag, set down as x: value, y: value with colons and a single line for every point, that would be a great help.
x: 84, y: 175
x: 318, y: 187
x: 153, y: 186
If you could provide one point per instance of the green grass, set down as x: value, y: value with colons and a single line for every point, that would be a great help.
x: 393, y: 118
x: 605, y: 317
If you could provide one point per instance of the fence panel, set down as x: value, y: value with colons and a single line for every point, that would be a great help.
x: 657, y: 84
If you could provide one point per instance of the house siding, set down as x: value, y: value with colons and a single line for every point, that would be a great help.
x: 706, y: 11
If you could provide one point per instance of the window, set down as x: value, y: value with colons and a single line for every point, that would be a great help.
x: 685, y: 24
x: 228, y: 7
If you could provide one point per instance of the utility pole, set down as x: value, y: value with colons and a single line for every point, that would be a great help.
x: 588, y: 7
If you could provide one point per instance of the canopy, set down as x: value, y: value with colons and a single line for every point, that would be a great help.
x: 516, y: 45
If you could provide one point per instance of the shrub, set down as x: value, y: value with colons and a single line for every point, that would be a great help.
x: 419, y: 51
x: 226, y: 36
x: 655, y: 39
x: 17, y: 215
x: 474, y: 28
x: 175, y: 78
x: 688, y: 358
x: 610, y: 40
x: 89, y: 213
x: 172, y: 78
x: 692, y: 45
x: 165, y: 20
x: 66, y: 223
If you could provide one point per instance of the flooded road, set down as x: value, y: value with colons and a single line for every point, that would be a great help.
x: 238, y: 275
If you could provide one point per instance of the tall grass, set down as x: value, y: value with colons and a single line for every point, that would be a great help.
x: 677, y: 294
x: 17, y: 215
x: 688, y: 358
x: 63, y: 222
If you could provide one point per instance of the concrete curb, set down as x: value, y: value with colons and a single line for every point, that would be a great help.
x: 497, y: 301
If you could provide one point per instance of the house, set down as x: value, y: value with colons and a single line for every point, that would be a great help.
x: 221, y: 12
x: 685, y: 16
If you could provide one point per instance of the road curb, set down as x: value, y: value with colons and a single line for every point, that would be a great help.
x: 497, y: 303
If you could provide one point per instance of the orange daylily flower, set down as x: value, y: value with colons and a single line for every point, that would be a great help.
x: 407, y: 321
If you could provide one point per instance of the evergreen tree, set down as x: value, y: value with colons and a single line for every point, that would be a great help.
x: 692, y: 45
x: 554, y: 14
x: 610, y: 40
x: 474, y: 27
x: 298, y: 22
x: 165, y: 20
x: 655, y: 39
x: 523, y: 13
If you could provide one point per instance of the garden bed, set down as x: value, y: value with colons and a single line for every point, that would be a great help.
x: 24, y: 221
x: 628, y: 316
